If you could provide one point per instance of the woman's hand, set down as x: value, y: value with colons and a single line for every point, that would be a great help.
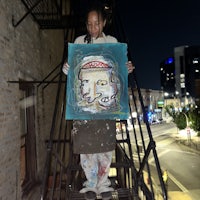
x: 130, y: 67
x: 65, y: 68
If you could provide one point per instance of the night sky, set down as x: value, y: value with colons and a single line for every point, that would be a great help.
x: 154, y: 28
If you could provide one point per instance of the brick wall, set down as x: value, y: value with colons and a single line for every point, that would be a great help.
x: 27, y: 53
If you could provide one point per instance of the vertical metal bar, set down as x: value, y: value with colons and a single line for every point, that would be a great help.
x: 163, y: 186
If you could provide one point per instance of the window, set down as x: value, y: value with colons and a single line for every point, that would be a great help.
x: 28, y: 142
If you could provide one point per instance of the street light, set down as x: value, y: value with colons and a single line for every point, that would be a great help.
x: 166, y: 94
x: 187, y: 128
x: 187, y: 121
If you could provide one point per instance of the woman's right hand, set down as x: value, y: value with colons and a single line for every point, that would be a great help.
x: 65, y: 68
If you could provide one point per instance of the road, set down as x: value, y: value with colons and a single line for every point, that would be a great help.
x: 181, y: 164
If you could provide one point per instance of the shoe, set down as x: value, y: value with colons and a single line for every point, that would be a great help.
x: 90, y: 195
x: 106, y: 195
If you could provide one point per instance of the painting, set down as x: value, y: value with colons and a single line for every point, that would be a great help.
x: 97, y: 82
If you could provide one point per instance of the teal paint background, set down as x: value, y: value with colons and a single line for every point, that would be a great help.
x: 117, y: 52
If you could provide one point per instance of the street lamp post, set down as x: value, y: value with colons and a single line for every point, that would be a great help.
x: 187, y: 127
x: 187, y: 122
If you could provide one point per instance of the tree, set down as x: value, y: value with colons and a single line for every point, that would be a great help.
x: 194, y: 116
x: 170, y: 110
x: 179, y: 118
x: 189, y: 114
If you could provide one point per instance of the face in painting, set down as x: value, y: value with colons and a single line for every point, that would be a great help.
x: 96, y: 86
x: 95, y: 24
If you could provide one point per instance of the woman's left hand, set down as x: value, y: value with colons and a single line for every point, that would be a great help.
x: 130, y: 67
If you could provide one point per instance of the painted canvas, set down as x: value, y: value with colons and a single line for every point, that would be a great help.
x: 97, y: 85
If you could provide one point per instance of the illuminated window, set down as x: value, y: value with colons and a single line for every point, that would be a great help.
x: 195, y: 61
x: 182, y: 85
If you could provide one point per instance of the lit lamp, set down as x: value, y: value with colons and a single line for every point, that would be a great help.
x: 166, y: 94
x: 187, y: 128
x: 187, y: 122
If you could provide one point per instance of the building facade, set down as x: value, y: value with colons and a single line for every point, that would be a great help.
x: 167, y: 76
x: 153, y: 101
x: 27, y: 55
x: 187, y: 70
x: 180, y: 75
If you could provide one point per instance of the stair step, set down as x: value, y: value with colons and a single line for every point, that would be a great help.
x: 119, y: 194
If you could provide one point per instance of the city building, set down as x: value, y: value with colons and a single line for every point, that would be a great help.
x: 187, y: 75
x: 180, y: 76
x: 180, y: 71
x: 153, y: 103
x: 192, y: 60
x: 167, y: 76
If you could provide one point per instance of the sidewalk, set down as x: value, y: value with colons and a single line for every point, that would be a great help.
x: 172, y: 195
x: 176, y: 195
x: 191, y: 141
x: 189, y: 138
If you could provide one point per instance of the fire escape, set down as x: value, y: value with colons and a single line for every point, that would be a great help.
x: 135, y: 170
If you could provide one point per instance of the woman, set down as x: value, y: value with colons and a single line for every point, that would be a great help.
x: 97, y: 137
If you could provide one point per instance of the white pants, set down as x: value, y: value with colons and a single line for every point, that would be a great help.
x: 96, y: 168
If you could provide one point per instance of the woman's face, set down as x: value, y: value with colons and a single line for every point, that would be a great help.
x: 95, y: 24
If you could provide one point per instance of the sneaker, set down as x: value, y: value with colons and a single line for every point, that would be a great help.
x: 90, y: 195
x: 106, y: 195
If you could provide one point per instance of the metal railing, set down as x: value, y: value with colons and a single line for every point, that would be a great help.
x: 133, y: 177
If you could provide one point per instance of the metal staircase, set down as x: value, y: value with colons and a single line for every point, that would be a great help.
x: 131, y: 175
x: 135, y: 171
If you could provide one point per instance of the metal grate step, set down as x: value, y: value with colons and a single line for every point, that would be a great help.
x: 119, y: 194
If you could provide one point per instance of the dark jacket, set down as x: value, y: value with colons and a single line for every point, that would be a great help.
x: 94, y: 136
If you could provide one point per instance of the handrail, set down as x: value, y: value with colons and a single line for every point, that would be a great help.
x: 151, y: 146
x: 52, y: 131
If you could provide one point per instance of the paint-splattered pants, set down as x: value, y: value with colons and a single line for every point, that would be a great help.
x: 96, y: 168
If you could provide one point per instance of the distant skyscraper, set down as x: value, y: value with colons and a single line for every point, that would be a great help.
x: 187, y: 70
x: 179, y: 56
x: 180, y: 74
x: 192, y: 63
x: 167, y: 75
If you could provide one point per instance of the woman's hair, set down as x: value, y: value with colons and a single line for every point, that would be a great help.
x: 99, y: 8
